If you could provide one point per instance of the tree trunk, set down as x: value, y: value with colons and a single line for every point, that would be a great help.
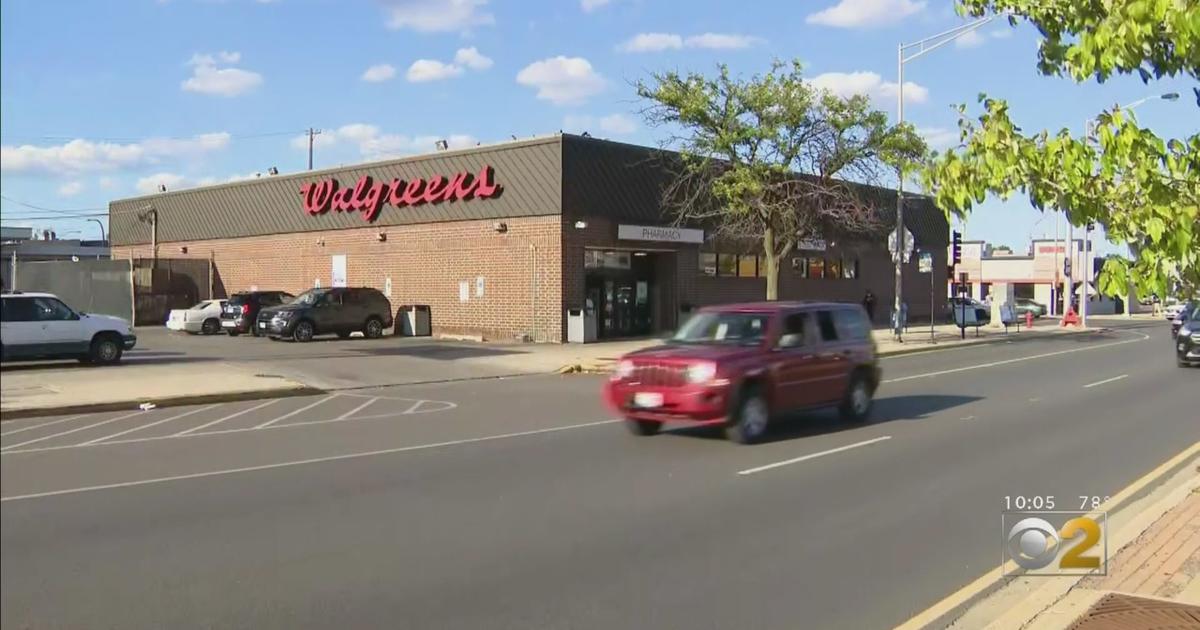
x: 772, y: 264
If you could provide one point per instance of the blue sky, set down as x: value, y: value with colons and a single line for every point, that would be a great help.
x: 109, y: 100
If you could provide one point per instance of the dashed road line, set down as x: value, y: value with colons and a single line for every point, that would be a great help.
x: 303, y: 462
x: 70, y: 431
x: 296, y: 412
x: 229, y: 417
x: 803, y: 458
x: 147, y: 426
x: 1105, y: 381
x: 45, y: 424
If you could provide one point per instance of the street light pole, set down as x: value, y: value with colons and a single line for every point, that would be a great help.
x: 923, y: 46
x: 103, y: 237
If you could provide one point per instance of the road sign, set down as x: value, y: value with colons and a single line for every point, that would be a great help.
x: 908, y: 244
x: 925, y: 262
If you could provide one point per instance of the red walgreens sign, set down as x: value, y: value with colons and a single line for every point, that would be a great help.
x: 368, y: 197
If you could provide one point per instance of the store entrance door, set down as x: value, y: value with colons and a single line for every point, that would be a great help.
x: 621, y: 294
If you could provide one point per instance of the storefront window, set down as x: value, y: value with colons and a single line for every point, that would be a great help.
x: 850, y: 268
x: 816, y: 268
x: 727, y: 264
x: 800, y: 266
x: 708, y: 263
x: 747, y: 266
x: 833, y: 268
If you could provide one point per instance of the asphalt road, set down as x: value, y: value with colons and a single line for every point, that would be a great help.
x: 519, y: 503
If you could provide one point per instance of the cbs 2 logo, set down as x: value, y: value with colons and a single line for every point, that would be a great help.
x: 1033, y: 543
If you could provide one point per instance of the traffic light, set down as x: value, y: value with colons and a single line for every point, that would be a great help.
x: 956, y: 248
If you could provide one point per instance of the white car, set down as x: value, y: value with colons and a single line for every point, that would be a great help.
x: 37, y: 326
x: 204, y: 317
x: 1173, y: 311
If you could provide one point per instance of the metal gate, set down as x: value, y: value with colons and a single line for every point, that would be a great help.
x: 93, y: 286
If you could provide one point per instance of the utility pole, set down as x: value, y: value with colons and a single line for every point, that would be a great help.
x: 312, y: 133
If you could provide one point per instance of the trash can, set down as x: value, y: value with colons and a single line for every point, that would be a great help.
x: 581, y: 325
x: 413, y: 321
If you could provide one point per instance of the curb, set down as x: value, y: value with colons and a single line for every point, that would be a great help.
x: 947, y: 611
x: 162, y: 401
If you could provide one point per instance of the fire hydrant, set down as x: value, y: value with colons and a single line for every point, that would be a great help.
x: 1029, y: 319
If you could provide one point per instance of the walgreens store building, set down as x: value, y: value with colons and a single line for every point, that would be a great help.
x: 503, y: 241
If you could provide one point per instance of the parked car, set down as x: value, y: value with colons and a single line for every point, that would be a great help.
x: 1026, y: 305
x: 742, y: 365
x: 1172, y: 311
x: 241, y: 311
x: 957, y: 304
x: 204, y: 318
x: 339, y: 311
x: 1189, y: 317
x: 37, y: 326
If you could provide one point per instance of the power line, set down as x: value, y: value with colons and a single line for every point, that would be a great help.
x: 45, y: 209
x: 141, y: 139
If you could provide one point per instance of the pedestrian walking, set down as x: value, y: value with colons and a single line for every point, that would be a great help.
x: 868, y: 303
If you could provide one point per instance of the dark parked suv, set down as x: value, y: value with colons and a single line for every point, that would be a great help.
x: 740, y: 365
x: 242, y: 309
x: 339, y: 311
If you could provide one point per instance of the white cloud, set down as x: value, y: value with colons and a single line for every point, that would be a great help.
x: 81, y: 155
x: 1003, y: 33
x: 591, y: 5
x: 379, y: 73
x: 174, y: 181
x: 107, y: 183
x: 372, y: 143
x: 651, y: 42
x: 939, y: 138
x: 865, y: 13
x: 613, y: 124
x: 70, y: 189
x: 657, y: 42
x: 433, y: 16
x: 871, y: 84
x: 970, y: 39
x: 423, y: 70
x: 721, y: 41
x: 207, y: 78
x: 471, y: 58
x: 562, y: 80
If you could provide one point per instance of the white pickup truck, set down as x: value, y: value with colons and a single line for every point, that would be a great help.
x: 35, y: 326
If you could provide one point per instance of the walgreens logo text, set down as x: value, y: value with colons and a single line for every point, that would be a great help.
x: 368, y: 197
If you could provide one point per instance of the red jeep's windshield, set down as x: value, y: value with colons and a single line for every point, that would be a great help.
x: 724, y: 328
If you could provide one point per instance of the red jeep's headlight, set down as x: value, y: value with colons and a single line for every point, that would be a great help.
x: 701, y: 372
x: 624, y: 369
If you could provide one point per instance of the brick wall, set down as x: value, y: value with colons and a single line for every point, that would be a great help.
x: 521, y: 268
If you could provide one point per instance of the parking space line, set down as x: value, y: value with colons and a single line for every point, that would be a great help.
x: 414, y: 407
x: 802, y: 458
x: 357, y: 409
x: 70, y: 431
x: 147, y: 426
x: 296, y: 412
x: 303, y: 462
x: 1105, y: 381
x: 229, y: 417
x: 44, y: 424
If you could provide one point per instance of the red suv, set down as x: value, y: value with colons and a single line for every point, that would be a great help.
x: 741, y: 364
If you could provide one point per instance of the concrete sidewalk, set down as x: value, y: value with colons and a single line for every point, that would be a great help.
x: 1152, y: 581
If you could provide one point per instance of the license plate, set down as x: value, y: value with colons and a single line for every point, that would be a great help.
x: 647, y: 399
x: 227, y: 323
x: 262, y: 324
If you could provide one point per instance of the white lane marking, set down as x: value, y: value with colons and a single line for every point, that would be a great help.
x: 1107, y: 380
x: 1033, y: 400
x: 303, y: 462
x: 357, y: 409
x: 378, y: 416
x: 229, y: 417
x: 796, y: 460
x: 70, y: 431
x: 44, y: 424
x: 147, y: 426
x: 1016, y: 360
x: 292, y: 413
x: 414, y: 407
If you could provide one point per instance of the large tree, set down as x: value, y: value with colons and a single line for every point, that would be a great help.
x: 772, y: 158
x: 1144, y: 190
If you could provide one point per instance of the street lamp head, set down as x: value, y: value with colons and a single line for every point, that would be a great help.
x: 1170, y: 96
